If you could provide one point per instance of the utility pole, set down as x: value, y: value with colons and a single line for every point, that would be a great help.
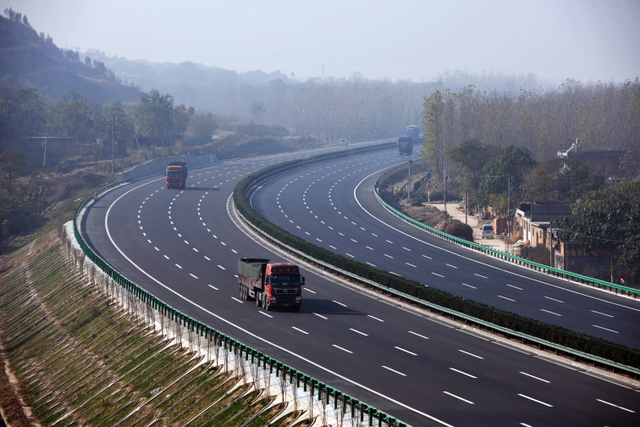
x: 46, y: 139
x: 551, y: 243
x: 466, y: 197
x: 113, y: 145
x: 509, y: 206
x: 409, y: 183
x: 445, y: 187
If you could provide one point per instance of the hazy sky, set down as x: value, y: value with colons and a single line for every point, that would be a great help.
x: 587, y: 40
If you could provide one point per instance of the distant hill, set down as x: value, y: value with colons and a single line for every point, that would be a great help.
x: 196, y: 85
x: 32, y: 60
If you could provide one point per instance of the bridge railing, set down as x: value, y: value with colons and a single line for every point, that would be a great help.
x: 358, y: 409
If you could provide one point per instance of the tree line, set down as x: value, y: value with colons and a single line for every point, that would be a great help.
x: 501, y: 149
x: 604, y: 115
x: 24, y: 114
x: 27, y: 188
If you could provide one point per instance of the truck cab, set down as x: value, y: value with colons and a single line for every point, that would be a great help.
x: 405, y: 145
x: 271, y: 285
x: 176, y: 175
x: 283, y: 285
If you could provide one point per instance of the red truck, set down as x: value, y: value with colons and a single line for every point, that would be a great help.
x: 176, y: 175
x: 271, y: 285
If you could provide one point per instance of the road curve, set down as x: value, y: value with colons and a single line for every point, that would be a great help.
x: 183, y: 247
x: 331, y: 204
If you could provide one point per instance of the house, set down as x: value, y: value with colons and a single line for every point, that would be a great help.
x: 573, y: 257
x: 534, y: 220
x: 606, y: 162
x: 537, y: 224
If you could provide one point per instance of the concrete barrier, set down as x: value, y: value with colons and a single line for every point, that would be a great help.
x: 159, y: 166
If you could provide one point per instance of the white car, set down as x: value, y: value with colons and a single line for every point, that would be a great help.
x: 343, y: 141
x: 487, y: 231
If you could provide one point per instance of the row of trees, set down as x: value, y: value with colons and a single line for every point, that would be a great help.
x: 491, y: 176
x: 500, y: 178
x: 501, y: 150
x: 604, y: 116
x: 23, y: 114
x: 355, y: 108
x: 610, y: 219
x: 27, y: 189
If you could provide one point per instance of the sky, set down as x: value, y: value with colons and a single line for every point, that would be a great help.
x: 418, y: 40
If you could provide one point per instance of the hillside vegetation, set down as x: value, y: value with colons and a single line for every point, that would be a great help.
x: 32, y: 60
x: 78, y: 359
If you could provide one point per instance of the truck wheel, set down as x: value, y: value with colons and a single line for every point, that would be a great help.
x: 265, y: 304
x: 257, y: 300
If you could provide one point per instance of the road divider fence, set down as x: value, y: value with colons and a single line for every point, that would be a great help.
x: 327, y: 395
x: 561, y: 341
x: 574, y: 277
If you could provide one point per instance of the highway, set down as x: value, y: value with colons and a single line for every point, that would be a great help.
x: 331, y: 204
x: 183, y: 246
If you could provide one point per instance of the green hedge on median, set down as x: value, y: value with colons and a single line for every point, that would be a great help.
x: 564, y: 337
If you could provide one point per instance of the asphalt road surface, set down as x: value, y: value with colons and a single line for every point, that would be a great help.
x: 182, y: 246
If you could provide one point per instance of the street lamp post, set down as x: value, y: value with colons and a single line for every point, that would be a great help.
x: 551, y: 243
x: 409, y: 183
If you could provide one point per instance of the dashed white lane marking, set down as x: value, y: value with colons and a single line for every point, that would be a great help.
x: 458, y: 397
x: 343, y: 349
x: 394, y: 371
x: 418, y: 335
x: 602, y: 314
x: 536, y: 400
x: 616, y: 406
x: 471, y: 354
x: 405, y: 350
x: 536, y: 378
x: 463, y: 373
x: 605, y: 329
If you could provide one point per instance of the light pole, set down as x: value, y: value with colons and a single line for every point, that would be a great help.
x: 444, y: 194
x: 551, y: 243
x: 409, y: 183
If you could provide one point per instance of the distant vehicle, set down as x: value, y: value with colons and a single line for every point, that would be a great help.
x: 176, y: 175
x: 487, y: 231
x: 343, y: 141
x: 272, y: 285
x: 405, y: 145
x: 413, y: 131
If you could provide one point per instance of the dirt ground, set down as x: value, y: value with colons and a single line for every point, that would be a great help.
x: 15, y: 412
x: 13, y: 409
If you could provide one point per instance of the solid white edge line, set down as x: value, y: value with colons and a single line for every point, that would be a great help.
x: 249, y: 333
x: 477, y: 261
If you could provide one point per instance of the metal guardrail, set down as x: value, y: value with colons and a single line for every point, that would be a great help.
x: 590, y: 281
x: 524, y: 338
x: 225, y: 341
x: 267, y: 362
